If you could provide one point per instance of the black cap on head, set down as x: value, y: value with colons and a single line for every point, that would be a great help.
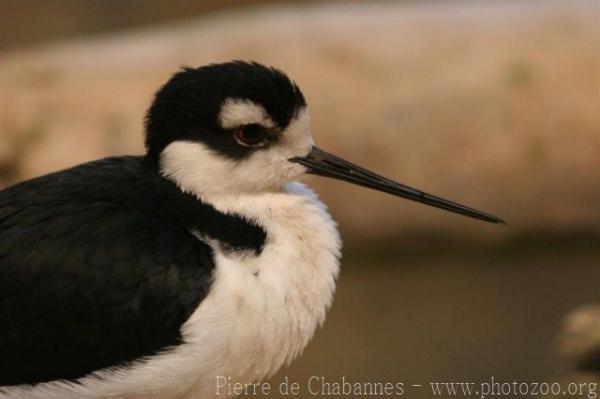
x: 188, y: 105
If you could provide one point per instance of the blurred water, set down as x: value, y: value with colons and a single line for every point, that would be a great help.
x: 451, y: 317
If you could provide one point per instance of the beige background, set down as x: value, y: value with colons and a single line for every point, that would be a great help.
x: 490, y: 103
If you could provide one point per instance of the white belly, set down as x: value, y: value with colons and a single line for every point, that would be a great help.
x: 259, y: 314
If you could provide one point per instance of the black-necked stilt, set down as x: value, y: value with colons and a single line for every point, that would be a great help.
x: 153, y: 275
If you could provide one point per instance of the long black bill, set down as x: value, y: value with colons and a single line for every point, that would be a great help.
x: 322, y: 163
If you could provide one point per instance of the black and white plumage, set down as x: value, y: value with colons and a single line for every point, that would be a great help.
x: 150, y: 276
x: 110, y: 254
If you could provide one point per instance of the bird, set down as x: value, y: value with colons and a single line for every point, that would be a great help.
x: 155, y: 276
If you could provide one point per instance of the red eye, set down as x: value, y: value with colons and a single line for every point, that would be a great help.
x: 251, y: 135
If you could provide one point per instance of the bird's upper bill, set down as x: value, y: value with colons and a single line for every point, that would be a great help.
x: 238, y: 128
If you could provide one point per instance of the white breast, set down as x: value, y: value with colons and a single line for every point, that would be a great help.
x: 268, y: 307
x: 259, y: 315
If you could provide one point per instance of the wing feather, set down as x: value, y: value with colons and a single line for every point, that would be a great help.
x: 90, y: 279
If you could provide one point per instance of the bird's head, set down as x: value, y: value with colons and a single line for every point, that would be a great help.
x: 229, y: 128
x: 242, y: 127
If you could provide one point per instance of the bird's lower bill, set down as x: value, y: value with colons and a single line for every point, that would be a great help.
x: 319, y: 162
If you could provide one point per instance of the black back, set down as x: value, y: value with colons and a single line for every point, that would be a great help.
x: 98, y: 267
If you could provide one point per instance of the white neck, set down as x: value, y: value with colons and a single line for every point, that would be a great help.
x: 273, y: 303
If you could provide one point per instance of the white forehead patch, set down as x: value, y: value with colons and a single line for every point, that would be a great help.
x: 236, y: 112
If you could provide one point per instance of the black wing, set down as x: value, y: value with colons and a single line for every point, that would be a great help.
x: 98, y: 268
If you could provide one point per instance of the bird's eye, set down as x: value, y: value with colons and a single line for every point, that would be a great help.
x: 251, y: 135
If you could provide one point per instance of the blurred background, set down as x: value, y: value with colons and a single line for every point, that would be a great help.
x: 494, y: 104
